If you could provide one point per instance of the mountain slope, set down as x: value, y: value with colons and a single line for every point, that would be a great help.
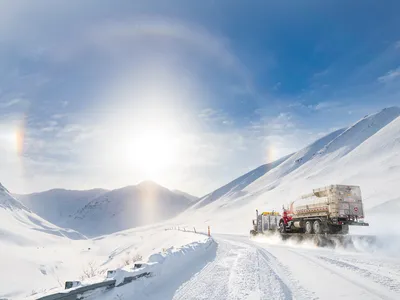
x: 20, y: 225
x: 235, y: 188
x: 186, y: 195
x: 391, y: 207
x: 57, y: 205
x: 128, y: 207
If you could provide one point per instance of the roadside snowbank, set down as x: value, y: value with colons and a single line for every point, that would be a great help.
x: 179, y: 263
x: 44, y: 267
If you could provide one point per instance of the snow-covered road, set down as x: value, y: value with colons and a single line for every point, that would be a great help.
x: 246, y: 269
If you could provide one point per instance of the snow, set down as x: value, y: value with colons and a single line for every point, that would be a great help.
x: 365, y: 154
x: 182, y: 261
x: 188, y: 196
x: 97, y: 212
x: 57, y: 205
x: 132, y: 206
x: 236, y: 188
x: 43, y: 265
x: 190, y: 266
x: 238, y: 268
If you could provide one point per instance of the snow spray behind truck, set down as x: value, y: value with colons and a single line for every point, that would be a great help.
x: 326, y: 211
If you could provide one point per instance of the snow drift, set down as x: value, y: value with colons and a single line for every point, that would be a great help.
x: 179, y: 263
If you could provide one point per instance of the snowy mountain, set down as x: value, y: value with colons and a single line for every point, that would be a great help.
x: 128, y: 207
x: 188, y: 196
x: 236, y: 188
x: 20, y: 225
x: 366, y: 153
x: 28, y: 256
x: 391, y: 207
x: 38, y: 256
x: 57, y: 205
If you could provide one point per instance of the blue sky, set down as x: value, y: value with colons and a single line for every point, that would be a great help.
x: 190, y: 94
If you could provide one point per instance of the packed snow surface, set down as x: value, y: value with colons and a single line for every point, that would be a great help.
x: 236, y: 267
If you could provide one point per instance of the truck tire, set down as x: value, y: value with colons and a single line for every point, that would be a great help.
x: 308, y: 227
x: 253, y: 232
x: 317, y: 227
x: 282, y: 228
x: 345, y: 229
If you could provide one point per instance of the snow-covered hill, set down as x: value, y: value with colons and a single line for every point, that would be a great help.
x: 22, y: 236
x: 236, y: 188
x: 57, y: 205
x: 367, y: 154
x: 391, y: 207
x: 128, y: 207
x: 188, y: 196
x: 20, y: 225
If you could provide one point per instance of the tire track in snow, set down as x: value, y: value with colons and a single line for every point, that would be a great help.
x: 291, y: 286
x: 385, y: 281
x: 292, y: 289
x: 392, y: 267
x: 242, y: 271
x: 271, y: 283
x: 341, y: 275
x: 211, y: 282
x: 243, y: 278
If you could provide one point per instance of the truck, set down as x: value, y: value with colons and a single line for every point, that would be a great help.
x: 328, y: 210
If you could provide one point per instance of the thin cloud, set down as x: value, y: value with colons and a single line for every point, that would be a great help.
x: 390, y: 76
x: 216, y: 116
x: 325, y: 105
x: 10, y: 103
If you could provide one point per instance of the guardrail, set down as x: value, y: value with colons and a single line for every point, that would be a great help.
x: 73, y: 295
x: 188, y: 229
x: 78, y: 292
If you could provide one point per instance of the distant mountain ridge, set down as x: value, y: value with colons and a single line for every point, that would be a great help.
x: 56, y: 205
x: 97, y: 211
x: 190, y: 197
x: 20, y: 225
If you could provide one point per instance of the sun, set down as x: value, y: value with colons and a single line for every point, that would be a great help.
x: 153, y: 150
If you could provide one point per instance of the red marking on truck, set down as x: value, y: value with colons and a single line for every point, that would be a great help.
x: 355, y: 208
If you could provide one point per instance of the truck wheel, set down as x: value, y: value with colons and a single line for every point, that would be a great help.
x: 345, y: 229
x: 317, y: 227
x: 282, y: 228
x: 253, y: 232
x: 309, y: 227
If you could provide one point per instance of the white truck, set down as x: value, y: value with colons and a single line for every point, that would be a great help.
x: 328, y: 210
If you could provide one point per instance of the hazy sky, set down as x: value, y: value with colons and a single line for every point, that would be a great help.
x: 190, y: 94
